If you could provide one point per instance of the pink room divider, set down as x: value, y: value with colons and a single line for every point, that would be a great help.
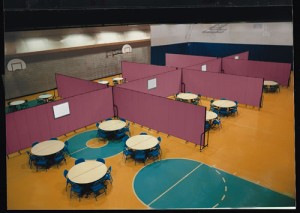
x: 245, y: 90
x: 168, y: 83
x: 185, y: 121
x: 181, y: 61
x: 213, y: 65
x: 133, y: 71
x: 279, y: 72
x: 38, y: 123
x: 69, y: 86
x: 239, y: 56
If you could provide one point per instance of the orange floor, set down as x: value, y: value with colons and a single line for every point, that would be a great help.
x: 257, y: 145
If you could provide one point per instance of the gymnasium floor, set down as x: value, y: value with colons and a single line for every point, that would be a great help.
x: 249, y: 162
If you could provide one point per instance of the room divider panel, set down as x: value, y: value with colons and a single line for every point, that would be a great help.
x: 214, y: 65
x: 166, y: 84
x: 68, y: 86
x: 245, y: 90
x: 179, y: 119
x: 181, y: 61
x: 279, y: 72
x: 239, y: 56
x: 133, y: 71
x: 38, y: 123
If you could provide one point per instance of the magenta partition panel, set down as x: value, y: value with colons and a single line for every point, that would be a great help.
x: 241, y: 56
x: 69, y: 86
x: 245, y: 90
x: 132, y: 71
x: 38, y: 123
x: 181, y: 61
x: 213, y: 65
x: 279, y: 72
x: 179, y: 119
x: 187, y: 121
x: 13, y: 144
x: 167, y: 84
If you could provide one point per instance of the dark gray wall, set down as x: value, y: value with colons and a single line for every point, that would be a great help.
x: 88, y: 64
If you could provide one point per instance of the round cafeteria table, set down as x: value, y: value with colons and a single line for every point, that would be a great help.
x: 112, y: 125
x: 117, y: 79
x: 16, y: 103
x: 211, y: 115
x: 86, y: 172
x: 142, y: 142
x: 103, y: 82
x: 187, y: 96
x: 224, y: 103
x: 45, y: 97
x: 270, y: 83
x: 47, y: 148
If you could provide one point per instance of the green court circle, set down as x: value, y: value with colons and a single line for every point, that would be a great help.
x: 78, y: 146
x: 179, y: 184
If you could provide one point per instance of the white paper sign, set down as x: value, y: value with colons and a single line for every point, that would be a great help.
x: 203, y: 67
x: 236, y: 57
x: 152, y: 83
x: 61, y: 110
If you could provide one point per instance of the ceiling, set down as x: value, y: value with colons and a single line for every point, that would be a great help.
x: 21, y: 15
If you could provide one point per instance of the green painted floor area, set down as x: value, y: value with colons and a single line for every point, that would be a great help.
x: 78, y: 149
x: 183, y: 183
x: 188, y: 184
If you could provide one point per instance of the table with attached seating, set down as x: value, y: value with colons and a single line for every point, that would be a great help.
x: 210, y: 115
x: 45, y: 97
x: 186, y: 96
x: 103, y: 82
x: 112, y: 125
x: 87, y: 172
x: 111, y: 128
x: 269, y: 84
x: 142, y: 142
x: 47, y: 148
x: 15, y: 104
x: 224, y: 103
x: 118, y: 79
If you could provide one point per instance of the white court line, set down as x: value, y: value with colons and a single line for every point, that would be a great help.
x: 174, y: 185
x: 84, y: 172
x: 79, y: 150
x: 223, y: 179
x: 215, y: 205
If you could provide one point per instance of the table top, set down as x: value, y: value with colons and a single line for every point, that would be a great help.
x: 48, y: 147
x: 270, y: 83
x: 142, y: 142
x: 112, y: 125
x: 18, y: 102
x: 210, y: 115
x: 224, y: 103
x: 87, y: 172
x: 118, y: 78
x: 187, y: 96
x: 103, y: 82
x: 44, y: 96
